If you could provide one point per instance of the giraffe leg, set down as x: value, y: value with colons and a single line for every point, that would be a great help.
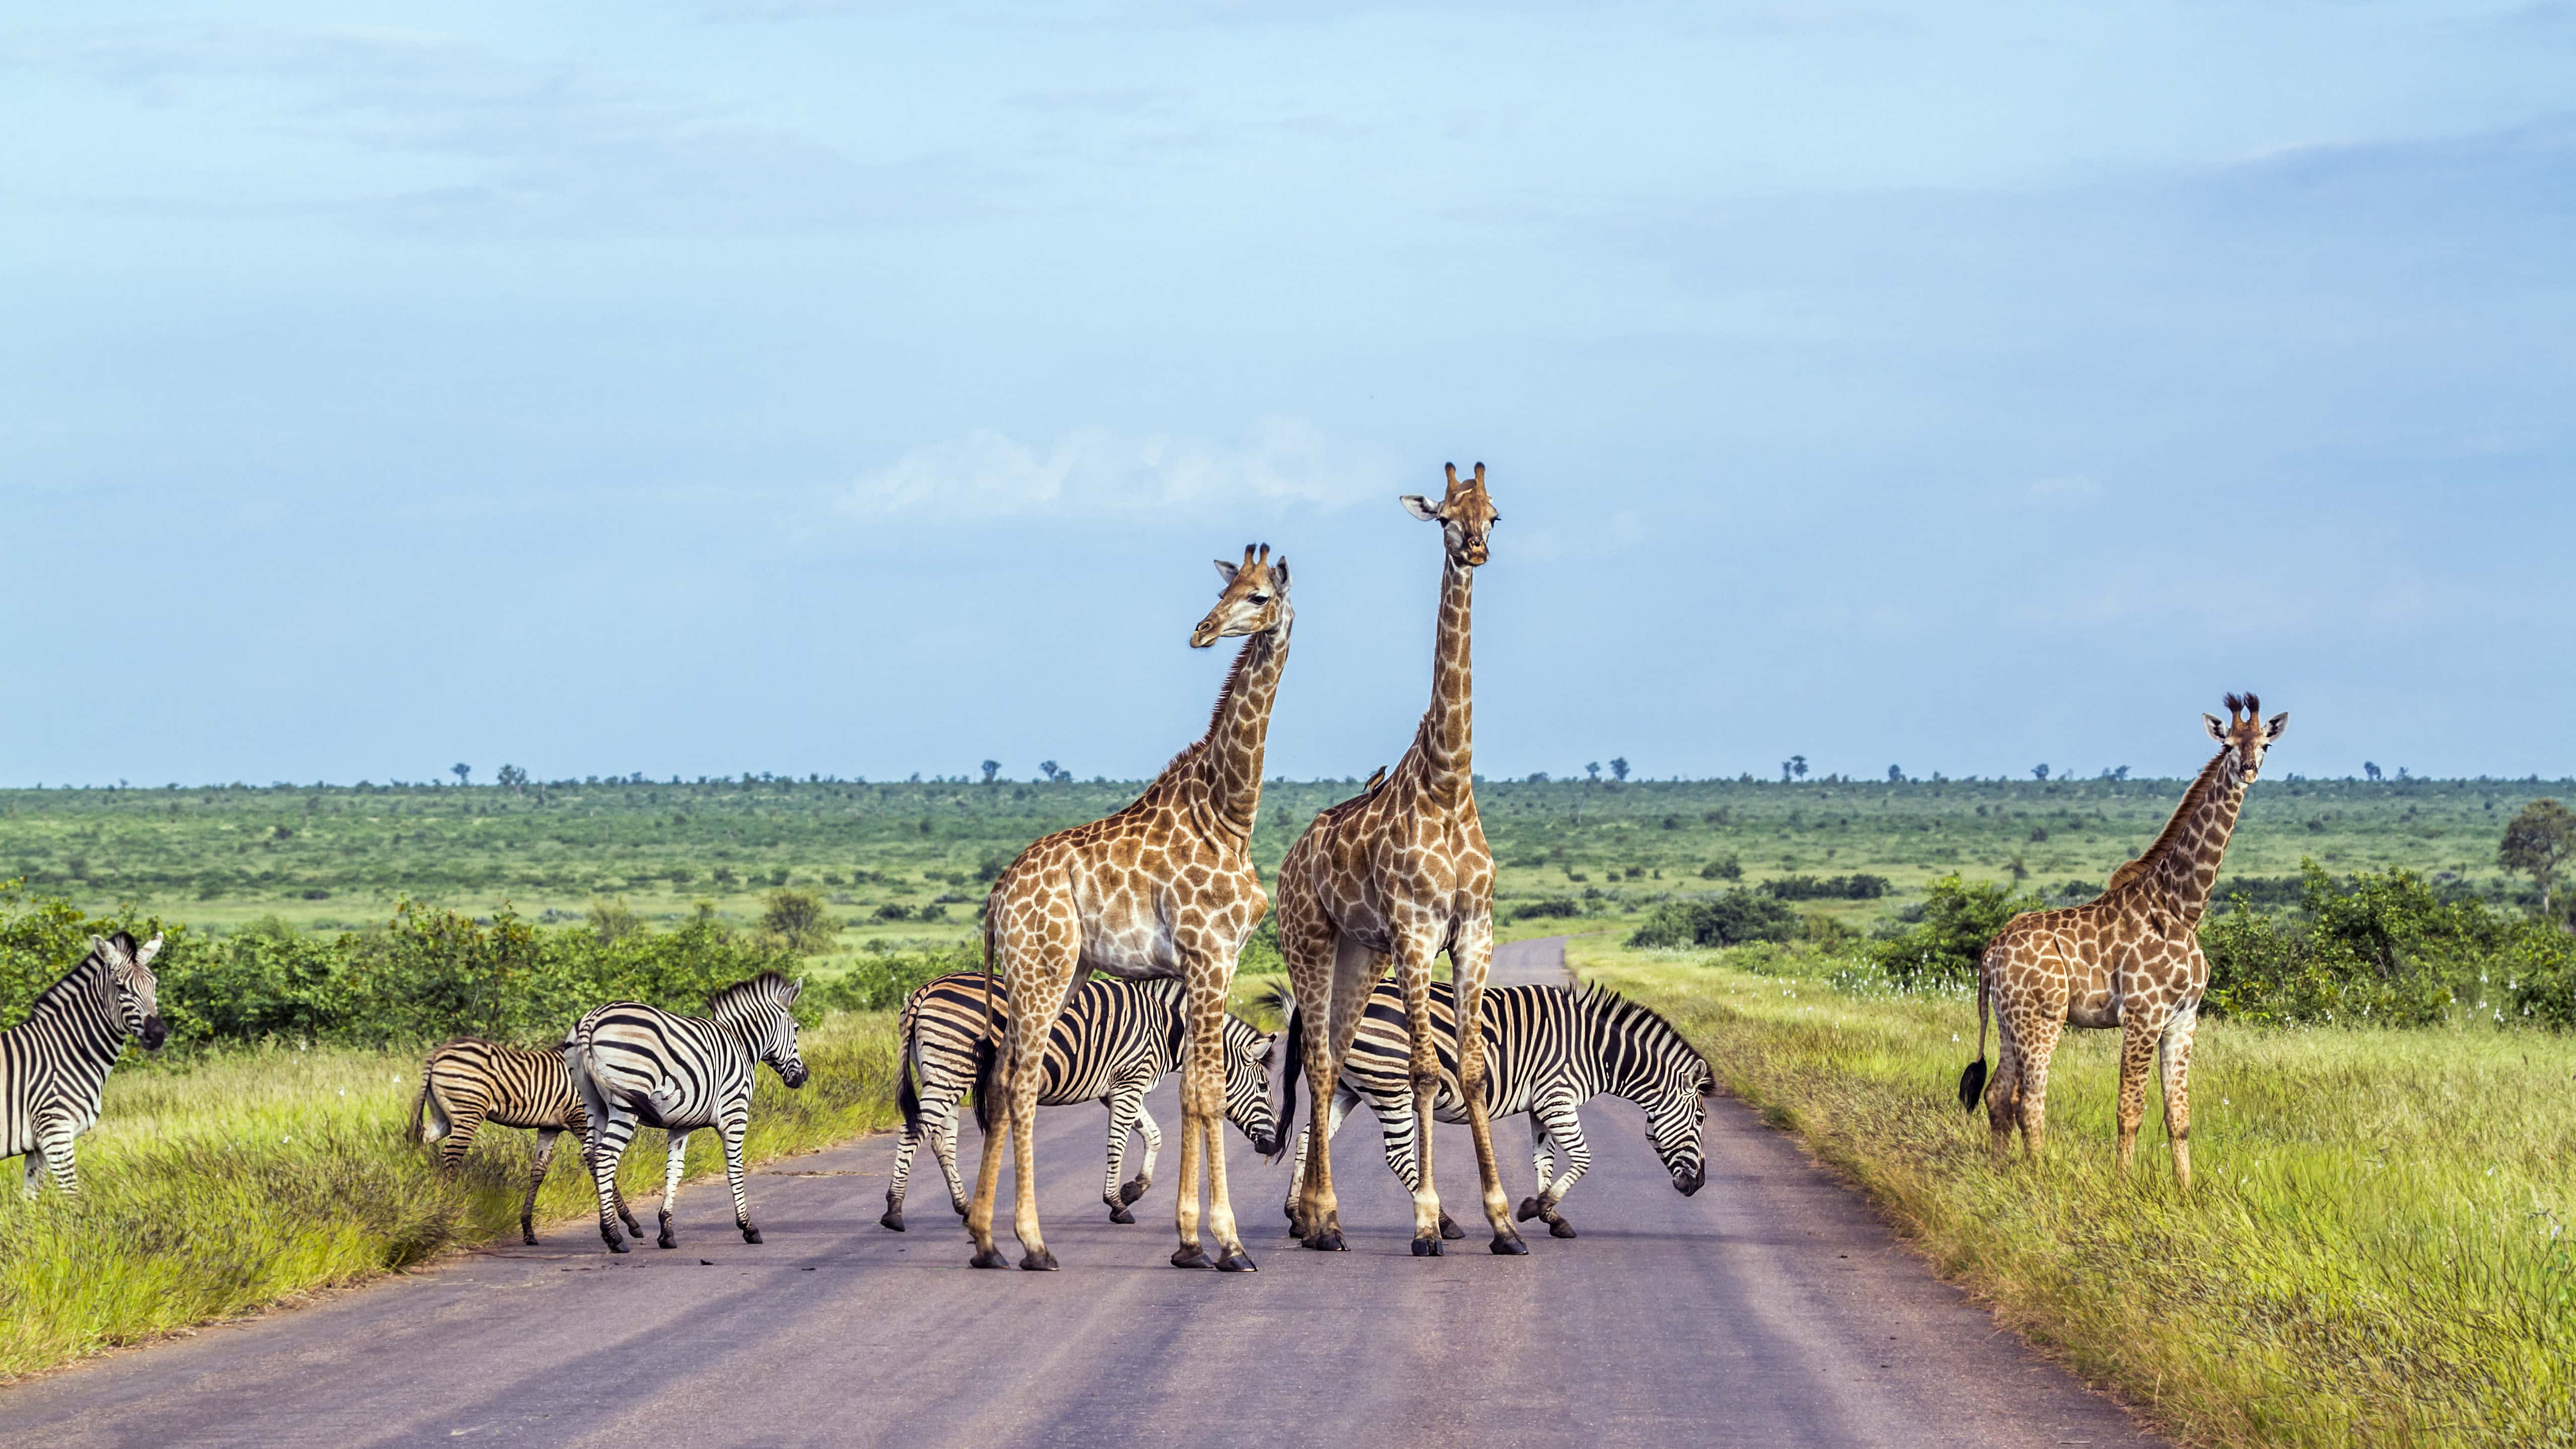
x: 536, y: 1179
x: 1470, y: 960
x: 1330, y: 1029
x: 1203, y: 1121
x: 675, y: 1161
x: 1035, y: 1005
x: 2140, y: 1029
x: 2003, y: 1090
x: 1413, y: 974
x: 2033, y: 1094
x: 2174, y: 1052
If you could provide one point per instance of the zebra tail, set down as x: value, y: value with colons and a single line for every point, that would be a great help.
x: 1288, y: 1081
x: 420, y: 1106
x: 908, y: 1098
x: 1972, y: 1082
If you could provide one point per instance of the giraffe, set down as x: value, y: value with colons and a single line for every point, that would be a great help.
x: 1401, y: 874
x: 2130, y: 959
x: 1164, y: 887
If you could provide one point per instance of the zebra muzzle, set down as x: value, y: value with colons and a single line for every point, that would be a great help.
x: 154, y: 1032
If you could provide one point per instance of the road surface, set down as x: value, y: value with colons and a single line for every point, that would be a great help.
x: 1771, y: 1309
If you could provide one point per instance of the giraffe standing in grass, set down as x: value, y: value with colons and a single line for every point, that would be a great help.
x: 2130, y: 959
x: 1164, y: 887
x: 1402, y: 874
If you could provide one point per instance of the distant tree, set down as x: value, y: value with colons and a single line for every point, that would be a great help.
x: 1593, y: 770
x: 2037, y: 772
x: 1895, y: 776
x: 796, y: 919
x: 2020, y: 872
x: 612, y: 920
x: 512, y: 779
x: 1537, y: 777
x: 1048, y: 769
x: 1797, y: 766
x: 994, y: 767
x: 2537, y: 842
x: 1784, y: 772
x: 2369, y: 771
x: 461, y: 771
x: 1618, y: 771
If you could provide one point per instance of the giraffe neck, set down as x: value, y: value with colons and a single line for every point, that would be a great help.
x: 2182, y: 865
x: 1449, y: 725
x: 1230, y: 766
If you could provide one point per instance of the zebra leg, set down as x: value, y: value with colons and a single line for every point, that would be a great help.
x: 536, y: 1178
x: 1413, y: 973
x: 731, y: 1130
x: 1152, y: 1131
x: 1542, y: 1160
x: 675, y: 1160
x: 609, y: 1134
x: 1470, y: 960
x: 902, y: 1173
x: 1563, y: 1126
x: 459, y: 1137
x: 35, y: 1172
x: 943, y: 1145
x: 634, y: 1229
x: 54, y: 1140
x: 1126, y: 1105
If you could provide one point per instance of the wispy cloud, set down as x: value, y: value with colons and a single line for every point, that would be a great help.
x: 1097, y: 471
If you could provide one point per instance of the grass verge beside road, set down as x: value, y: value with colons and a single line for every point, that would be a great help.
x: 222, y: 1184
x: 2379, y: 1248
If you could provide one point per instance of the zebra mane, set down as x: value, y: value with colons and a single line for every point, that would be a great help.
x: 767, y: 986
x: 1619, y: 1011
x: 73, y: 984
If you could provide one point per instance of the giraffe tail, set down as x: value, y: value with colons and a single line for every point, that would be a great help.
x: 1288, y: 1079
x: 986, y: 1056
x: 1972, y: 1082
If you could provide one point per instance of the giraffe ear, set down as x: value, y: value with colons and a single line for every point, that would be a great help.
x: 2278, y: 723
x: 1420, y: 507
x: 2217, y: 731
x: 1225, y: 571
x: 1279, y: 573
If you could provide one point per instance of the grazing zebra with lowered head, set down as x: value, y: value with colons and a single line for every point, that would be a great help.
x: 635, y: 1065
x: 53, y: 1065
x: 1115, y: 1040
x: 1548, y: 1050
x: 469, y: 1082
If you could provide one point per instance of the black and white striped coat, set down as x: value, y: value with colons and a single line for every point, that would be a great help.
x: 53, y: 1065
x: 470, y: 1081
x: 1548, y: 1050
x: 1113, y: 1042
x: 635, y: 1065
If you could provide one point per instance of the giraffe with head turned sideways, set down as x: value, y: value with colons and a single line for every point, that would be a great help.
x: 2130, y: 959
x: 1401, y: 874
x: 1163, y: 888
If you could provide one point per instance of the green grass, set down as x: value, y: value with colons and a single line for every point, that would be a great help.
x: 222, y: 1184
x: 2376, y: 1250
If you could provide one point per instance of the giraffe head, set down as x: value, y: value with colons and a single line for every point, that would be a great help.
x: 2246, y: 732
x: 1255, y: 600
x: 1465, y: 514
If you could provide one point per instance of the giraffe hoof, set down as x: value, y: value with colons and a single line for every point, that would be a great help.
x: 1236, y: 1263
x: 989, y: 1258
x: 1189, y: 1258
x: 1119, y: 1214
x: 1327, y: 1241
x: 750, y: 1234
x: 1131, y: 1190
x: 1427, y: 1248
x: 1509, y: 1245
x: 1559, y: 1228
x: 1040, y: 1261
x: 892, y: 1221
x: 1450, y: 1230
x: 1526, y: 1211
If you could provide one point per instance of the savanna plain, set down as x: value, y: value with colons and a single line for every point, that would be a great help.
x: 2374, y: 1249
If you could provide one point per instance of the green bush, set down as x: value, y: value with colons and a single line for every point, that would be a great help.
x: 1557, y: 908
x: 1828, y: 888
x: 1938, y: 942
x: 1738, y: 916
x: 883, y: 976
x: 2382, y: 948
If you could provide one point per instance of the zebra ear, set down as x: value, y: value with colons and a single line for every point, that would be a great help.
x: 150, y: 949
x: 1269, y: 1049
x: 116, y: 950
x: 795, y: 988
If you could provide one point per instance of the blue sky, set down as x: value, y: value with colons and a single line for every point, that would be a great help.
x: 794, y: 385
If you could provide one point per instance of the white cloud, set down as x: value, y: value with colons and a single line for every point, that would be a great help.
x: 989, y: 474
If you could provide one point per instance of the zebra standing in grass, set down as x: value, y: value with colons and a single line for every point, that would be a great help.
x: 53, y: 1065
x: 636, y: 1065
x: 1548, y: 1050
x: 1113, y: 1042
x: 470, y: 1081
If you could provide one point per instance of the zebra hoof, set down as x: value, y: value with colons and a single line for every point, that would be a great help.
x: 892, y: 1221
x: 1509, y: 1245
x: 666, y: 1240
x: 1133, y: 1189
x: 527, y: 1235
x: 1526, y: 1211
x: 1427, y: 1248
x: 615, y: 1246
x: 1560, y: 1228
x: 1119, y: 1214
x: 750, y: 1234
x: 1327, y: 1241
x: 1189, y: 1258
x: 989, y: 1258
x: 1236, y: 1263
x: 1040, y: 1261
x: 1450, y: 1230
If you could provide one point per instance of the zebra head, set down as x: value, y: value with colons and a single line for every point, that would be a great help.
x: 1248, y: 1055
x: 129, y: 967
x: 757, y: 1012
x: 1656, y: 1068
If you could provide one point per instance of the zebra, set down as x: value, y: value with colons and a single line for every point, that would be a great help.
x: 469, y: 1081
x: 1114, y: 1041
x: 1548, y: 1050
x: 637, y: 1065
x: 53, y: 1065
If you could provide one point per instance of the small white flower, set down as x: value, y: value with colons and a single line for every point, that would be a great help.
x: 1954, y: 1036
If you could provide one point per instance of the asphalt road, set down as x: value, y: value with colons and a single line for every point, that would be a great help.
x: 1771, y: 1309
